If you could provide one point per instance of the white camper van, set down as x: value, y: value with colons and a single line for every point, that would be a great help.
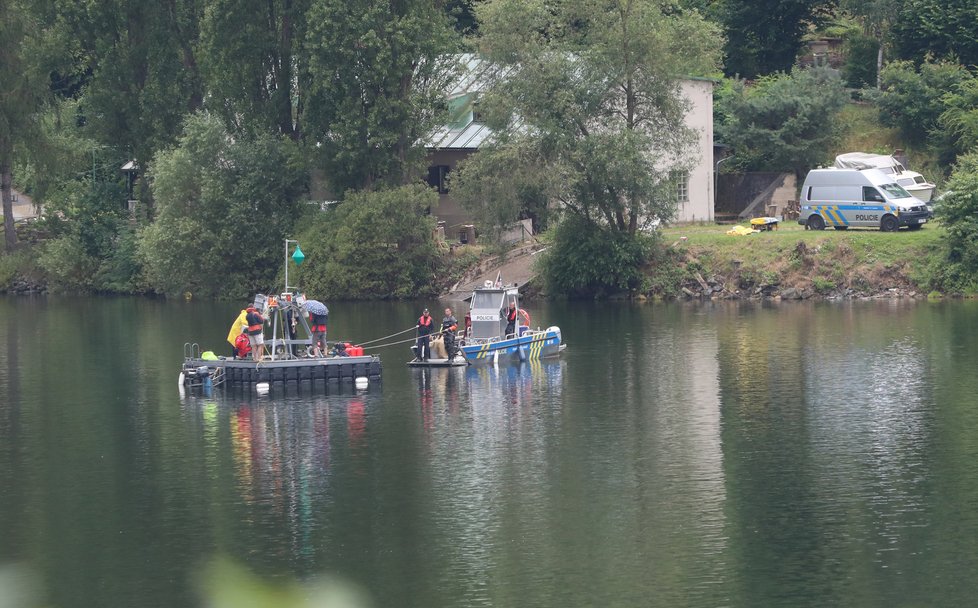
x: 849, y: 197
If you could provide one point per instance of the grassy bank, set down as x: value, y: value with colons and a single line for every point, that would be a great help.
x: 795, y: 263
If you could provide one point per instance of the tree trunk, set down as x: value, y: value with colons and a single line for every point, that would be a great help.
x: 879, y: 65
x: 6, y: 177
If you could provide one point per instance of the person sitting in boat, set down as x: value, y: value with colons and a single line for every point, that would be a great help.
x: 256, y: 332
x: 339, y: 350
x: 242, y: 345
x: 425, y: 325
x: 448, y: 326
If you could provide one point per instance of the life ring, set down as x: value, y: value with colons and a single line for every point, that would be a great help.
x: 526, y: 316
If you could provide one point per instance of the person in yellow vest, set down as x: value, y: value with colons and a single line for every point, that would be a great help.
x: 241, y: 323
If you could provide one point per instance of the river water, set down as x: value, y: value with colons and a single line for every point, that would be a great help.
x: 719, y: 454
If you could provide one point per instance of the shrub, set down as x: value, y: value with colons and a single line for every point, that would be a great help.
x: 587, y: 260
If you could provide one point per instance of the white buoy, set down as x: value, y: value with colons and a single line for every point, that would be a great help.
x: 262, y: 388
x: 361, y: 382
x: 180, y: 379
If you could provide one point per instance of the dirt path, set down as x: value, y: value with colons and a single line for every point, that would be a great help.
x: 516, y: 267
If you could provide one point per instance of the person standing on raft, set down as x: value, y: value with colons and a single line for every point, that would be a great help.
x: 425, y: 325
x: 256, y: 333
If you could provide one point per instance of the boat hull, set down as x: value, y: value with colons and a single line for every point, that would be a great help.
x: 528, y: 347
x: 924, y: 192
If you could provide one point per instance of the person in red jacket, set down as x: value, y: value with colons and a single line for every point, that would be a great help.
x: 425, y: 325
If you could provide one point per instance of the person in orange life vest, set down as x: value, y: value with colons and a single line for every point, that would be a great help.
x: 256, y: 332
x: 468, y: 323
x: 448, y: 326
x: 511, y: 315
x: 425, y: 325
x: 317, y: 324
x: 242, y: 345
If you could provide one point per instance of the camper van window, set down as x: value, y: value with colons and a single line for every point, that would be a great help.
x: 872, y: 194
x: 894, y: 191
x: 809, y: 193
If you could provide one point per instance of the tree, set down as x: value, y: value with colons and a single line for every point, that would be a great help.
x: 877, y: 18
x: 937, y: 30
x: 254, y: 63
x: 911, y: 97
x: 138, y: 64
x: 764, y: 36
x: 523, y: 193
x: 588, y: 93
x: 784, y: 122
x: 378, y: 77
x: 20, y: 93
x: 960, y: 117
x: 225, y: 206
x: 377, y: 244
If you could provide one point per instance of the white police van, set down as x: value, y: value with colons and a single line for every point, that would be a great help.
x: 850, y: 197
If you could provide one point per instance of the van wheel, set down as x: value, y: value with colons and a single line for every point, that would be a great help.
x: 915, y: 226
x: 841, y: 227
x: 815, y: 222
x: 889, y: 223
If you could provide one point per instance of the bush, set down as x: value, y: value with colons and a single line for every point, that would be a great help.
x: 587, y: 260
x: 959, y: 213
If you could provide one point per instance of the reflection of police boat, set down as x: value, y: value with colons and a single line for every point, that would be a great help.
x: 486, y: 341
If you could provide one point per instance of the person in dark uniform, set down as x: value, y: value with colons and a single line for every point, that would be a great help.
x: 448, y: 326
x: 425, y: 325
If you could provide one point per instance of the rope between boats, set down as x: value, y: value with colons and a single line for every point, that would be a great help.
x: 432, y: 335
x: 412, y: 328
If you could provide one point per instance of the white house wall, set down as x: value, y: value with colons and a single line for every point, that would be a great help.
x: 701, y: 186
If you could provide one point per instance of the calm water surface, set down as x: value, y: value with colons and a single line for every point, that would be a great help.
x: 675, y: 455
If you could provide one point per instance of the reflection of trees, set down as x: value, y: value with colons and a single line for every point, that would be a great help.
x: 825, y: 442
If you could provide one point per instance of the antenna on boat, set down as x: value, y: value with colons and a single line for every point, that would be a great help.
x: 297, y: 257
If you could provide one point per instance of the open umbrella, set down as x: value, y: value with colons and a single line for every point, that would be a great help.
x: 316, y: 307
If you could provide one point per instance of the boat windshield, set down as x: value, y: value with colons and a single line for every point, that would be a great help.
x: 492, y: 299
x: 894, y: 191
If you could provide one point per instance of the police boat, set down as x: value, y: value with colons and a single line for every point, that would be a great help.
x: 494, y: 307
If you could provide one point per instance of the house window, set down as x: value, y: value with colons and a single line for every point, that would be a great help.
x: 681, y: 178
x: 436, y: 178
x: 463, y: 237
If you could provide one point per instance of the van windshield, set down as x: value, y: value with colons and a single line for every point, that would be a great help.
x: 894, y: 191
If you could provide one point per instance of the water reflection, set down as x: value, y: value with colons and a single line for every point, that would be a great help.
x: 706, y: 455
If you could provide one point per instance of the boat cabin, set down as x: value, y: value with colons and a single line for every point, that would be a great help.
x: 487, y: 311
